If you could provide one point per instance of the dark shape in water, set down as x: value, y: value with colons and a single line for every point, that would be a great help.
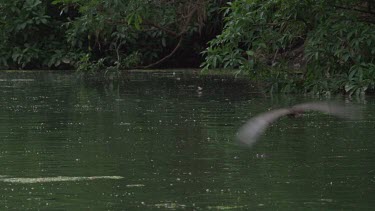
x: 249, y: 133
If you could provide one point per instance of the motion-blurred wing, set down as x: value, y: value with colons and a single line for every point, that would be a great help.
x: 339, y: 110
x: 249, y: 132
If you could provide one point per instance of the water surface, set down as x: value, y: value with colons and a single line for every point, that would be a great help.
x: 160, y: 142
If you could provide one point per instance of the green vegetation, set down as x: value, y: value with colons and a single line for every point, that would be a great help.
x: 98, y: 37
x: 30, y: 36
x: 318, y: 46
x: 310, y: 46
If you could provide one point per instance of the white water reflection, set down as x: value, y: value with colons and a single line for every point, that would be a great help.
x: 53, y: 179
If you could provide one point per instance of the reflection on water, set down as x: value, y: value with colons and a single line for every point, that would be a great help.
x: 54, y: 179
x: 173, y: 144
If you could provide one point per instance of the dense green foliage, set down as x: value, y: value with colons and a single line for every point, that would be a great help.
x: 311, y: 46
x: 30, y: 36
x: 105, y: 36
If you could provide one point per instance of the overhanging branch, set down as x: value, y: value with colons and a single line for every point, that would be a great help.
x: 166, y: 57
x: 355, y: 9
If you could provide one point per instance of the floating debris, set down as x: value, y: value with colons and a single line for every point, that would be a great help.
x: 22, y: 80
x: 135, y: 185
x: 169, y: 205
x: 225, y: 207
x: 54, y: 179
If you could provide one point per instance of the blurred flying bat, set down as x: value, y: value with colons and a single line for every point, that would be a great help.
x: 250, y: 132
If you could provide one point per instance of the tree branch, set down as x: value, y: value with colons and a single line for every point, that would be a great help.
x: 354, y: 9
x: 187, y: 13
x: 166, y: 57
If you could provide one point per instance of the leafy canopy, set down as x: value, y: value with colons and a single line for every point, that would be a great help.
x: 319, y: 46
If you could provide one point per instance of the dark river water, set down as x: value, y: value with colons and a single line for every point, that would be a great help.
x: 167, y: 141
